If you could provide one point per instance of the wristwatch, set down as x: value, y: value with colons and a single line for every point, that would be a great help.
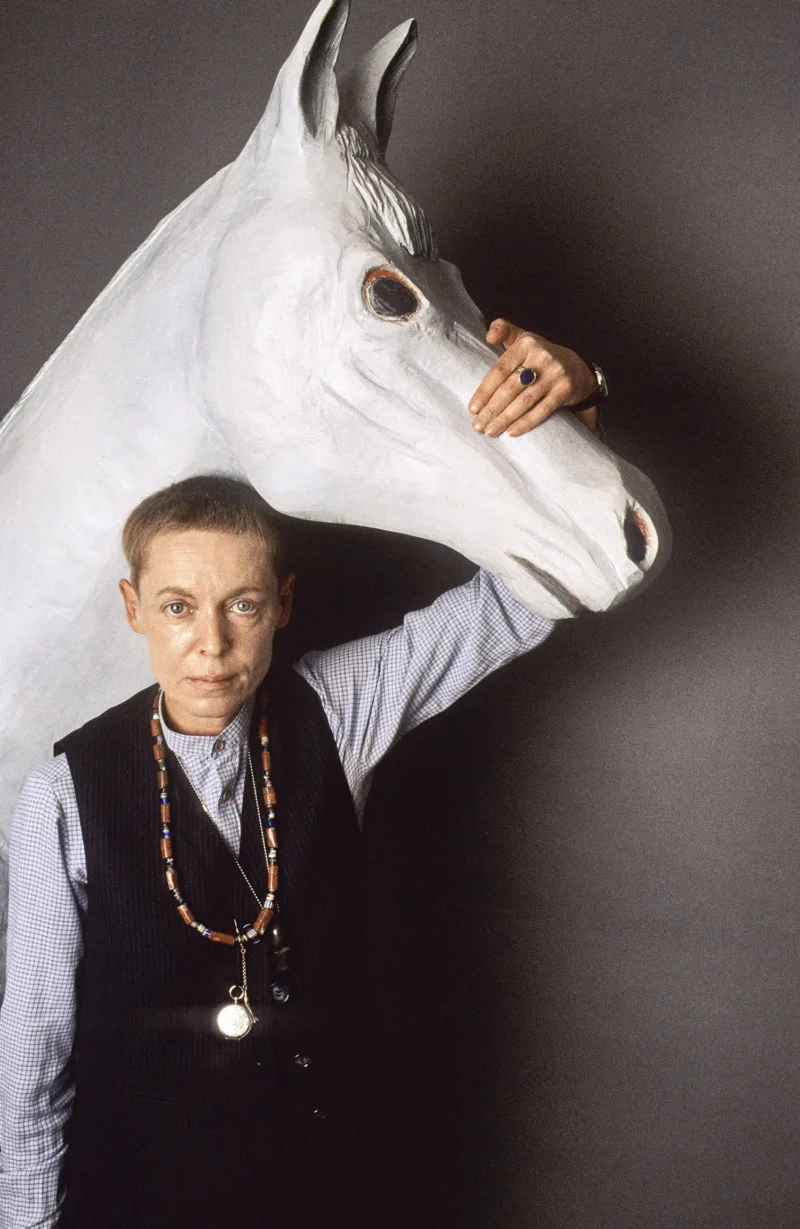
x: 595, y: 397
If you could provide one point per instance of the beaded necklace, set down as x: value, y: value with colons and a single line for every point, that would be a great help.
x: 236, y: 1018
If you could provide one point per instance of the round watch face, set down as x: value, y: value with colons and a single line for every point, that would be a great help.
x: 234, y: 1021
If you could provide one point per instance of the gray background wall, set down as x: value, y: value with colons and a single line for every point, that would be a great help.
x: 584, y: 877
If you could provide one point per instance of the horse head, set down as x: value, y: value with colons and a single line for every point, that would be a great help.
x: 338, y: 351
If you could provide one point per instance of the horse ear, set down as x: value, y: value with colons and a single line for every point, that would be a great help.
x: 370, y: 89
x: 305, y: 99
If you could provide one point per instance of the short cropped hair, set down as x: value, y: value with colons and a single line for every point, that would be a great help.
x: 206, y: 501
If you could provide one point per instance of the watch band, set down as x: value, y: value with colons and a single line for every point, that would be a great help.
x: 600, y: 394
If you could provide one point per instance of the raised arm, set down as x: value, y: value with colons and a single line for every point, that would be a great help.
x: 37, y: 1020
x: 376, y: 689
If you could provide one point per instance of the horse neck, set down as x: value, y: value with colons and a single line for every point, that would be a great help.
x: 117, y: 411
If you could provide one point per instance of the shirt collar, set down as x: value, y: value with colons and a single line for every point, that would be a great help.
x: 232, y: 738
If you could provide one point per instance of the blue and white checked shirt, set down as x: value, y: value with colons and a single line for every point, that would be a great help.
x: 372, y: 690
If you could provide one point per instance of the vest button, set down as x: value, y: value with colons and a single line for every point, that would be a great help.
x: 319, y: 1115
x: 302, y: 1060
x: 280, y: 993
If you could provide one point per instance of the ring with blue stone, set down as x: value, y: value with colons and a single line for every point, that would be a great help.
x: 527, y: 376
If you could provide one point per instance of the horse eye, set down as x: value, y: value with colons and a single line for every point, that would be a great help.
x: 389, y: 297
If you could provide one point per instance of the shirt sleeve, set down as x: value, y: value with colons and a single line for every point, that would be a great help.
x: 375, y: 689
x: 47, y: 897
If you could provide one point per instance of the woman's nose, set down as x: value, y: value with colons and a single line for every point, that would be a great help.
x: 212, y: 635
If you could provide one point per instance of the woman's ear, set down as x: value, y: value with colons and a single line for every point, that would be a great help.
x: 131, y: 600
x: 286, y: 597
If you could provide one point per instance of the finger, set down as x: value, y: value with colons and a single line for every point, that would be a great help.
x: 551, y: 373
x: 503, y: 332
x: 523, y: 401
x: 510, y: 402
x: 528, y: 352
x: 552, y: 402
x: 513, y: 396
x: 498, y: 331
x: 498, y: 373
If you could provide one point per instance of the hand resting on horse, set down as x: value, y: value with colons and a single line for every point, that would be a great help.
x: 562, y: 379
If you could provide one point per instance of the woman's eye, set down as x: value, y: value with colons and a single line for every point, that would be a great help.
x: 389, y: 296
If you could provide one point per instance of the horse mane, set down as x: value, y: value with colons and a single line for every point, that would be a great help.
x: 383, y: 197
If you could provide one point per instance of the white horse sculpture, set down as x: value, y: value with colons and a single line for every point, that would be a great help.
x: 290, y: 322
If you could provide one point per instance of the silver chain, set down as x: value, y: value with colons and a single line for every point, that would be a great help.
x: 261, y: 903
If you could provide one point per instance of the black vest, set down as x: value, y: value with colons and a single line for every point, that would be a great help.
x: 174, y: 1124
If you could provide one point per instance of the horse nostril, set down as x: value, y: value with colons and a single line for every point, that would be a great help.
x: 636, y: 536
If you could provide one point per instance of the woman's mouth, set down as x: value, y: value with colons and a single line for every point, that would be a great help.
x: 215, y: 682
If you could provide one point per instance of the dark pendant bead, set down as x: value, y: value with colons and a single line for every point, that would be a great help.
x: 280, y: 947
